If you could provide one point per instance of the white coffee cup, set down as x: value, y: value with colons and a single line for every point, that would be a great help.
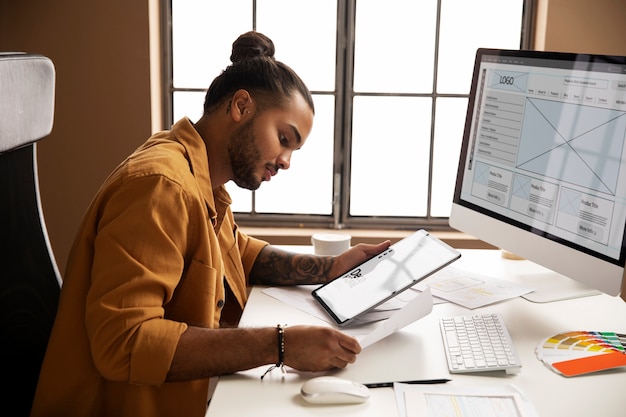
x: 330, y: 243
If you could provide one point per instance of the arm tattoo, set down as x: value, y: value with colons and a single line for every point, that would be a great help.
x: 277, y: 267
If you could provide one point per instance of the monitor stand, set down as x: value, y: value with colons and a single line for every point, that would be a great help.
x: 551, y: 286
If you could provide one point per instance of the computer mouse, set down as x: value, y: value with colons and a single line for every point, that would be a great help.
x: 333, y: 390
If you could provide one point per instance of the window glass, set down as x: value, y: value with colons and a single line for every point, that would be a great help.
x: 188, y: 104
x: 449, y: 124
x: 202, y: 36
x: 390, y: 154
x: 394, y: 46
x: 467, y: 26
x: 305, y: 37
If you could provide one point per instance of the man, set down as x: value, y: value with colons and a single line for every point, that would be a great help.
x: 159, y: 271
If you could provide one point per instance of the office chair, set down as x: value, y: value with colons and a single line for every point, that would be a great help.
x: 29, y: 278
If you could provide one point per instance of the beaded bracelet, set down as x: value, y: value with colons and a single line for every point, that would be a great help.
x: 281, y: 345
x: 281, y: 351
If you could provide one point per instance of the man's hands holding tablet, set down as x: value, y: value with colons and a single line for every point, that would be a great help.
x: 355, y: 256
x: 383, y: 276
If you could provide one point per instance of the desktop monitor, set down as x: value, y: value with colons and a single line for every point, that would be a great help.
x: 542, y: 171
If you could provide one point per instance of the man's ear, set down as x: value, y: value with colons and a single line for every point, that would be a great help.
x: 242, y: 106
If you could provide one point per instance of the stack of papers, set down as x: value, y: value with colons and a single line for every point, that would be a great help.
x: 581, y: 352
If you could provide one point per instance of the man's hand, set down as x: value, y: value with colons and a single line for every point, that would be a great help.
x: 276, y: 266
x: 311, y: 348
x: 354, y: 256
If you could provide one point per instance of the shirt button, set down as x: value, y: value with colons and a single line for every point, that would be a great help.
x: 220, y: 303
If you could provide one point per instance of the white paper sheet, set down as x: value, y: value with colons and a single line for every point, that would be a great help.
x: 469, y: 289
x: 388, y: 318
x: 419, y: 307
x: 451, y: 400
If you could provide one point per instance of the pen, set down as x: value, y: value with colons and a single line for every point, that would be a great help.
x: 416, y: 381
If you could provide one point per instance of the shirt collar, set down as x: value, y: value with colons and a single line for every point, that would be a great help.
x: 186, y: 134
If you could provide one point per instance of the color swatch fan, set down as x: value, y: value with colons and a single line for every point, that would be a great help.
x: 582, y: 352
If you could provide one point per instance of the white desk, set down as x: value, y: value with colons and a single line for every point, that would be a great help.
x: 416, y: 353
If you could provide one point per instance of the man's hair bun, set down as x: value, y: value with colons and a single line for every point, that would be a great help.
x: 252, y: 45
x: 255, y: 70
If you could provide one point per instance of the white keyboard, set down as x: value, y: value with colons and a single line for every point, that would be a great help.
x: 476, y: 343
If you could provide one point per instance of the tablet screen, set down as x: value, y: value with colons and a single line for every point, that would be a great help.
x: 384, y: 276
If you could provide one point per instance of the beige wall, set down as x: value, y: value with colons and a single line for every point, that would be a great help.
x: 103, y: 107
x: 584, y: 26
x: 100, y: 51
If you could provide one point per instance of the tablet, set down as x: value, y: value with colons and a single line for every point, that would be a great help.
x: 384, y: 276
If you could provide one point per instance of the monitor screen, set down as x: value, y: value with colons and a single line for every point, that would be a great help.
x: 542, y: 171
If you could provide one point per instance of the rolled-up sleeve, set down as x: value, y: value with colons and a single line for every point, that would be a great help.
x: 249, y: 247
x: 138, y: 263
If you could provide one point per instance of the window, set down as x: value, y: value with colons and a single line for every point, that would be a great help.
x: 390, y: 80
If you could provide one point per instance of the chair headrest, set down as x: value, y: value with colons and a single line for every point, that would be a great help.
x: 26, y: 99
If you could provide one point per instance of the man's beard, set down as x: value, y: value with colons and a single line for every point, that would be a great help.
x: 244, y: 157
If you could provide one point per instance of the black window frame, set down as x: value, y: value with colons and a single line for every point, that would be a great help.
x: 344, y: 95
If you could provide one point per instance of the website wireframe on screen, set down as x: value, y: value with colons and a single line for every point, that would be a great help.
x: 548, y: 149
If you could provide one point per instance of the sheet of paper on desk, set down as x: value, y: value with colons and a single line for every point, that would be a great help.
x: 447, y: 400
x: 417, y: 308
x: 372, y: 327
x: 469, y: 289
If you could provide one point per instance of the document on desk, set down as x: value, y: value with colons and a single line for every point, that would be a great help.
x: 469, y: 289
x: 454, y: 401
x: 385, y: 320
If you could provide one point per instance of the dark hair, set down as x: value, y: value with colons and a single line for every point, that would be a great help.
x: 254, y: 69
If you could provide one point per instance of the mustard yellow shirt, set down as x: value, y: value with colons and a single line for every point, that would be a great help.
x: 150, y: 258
